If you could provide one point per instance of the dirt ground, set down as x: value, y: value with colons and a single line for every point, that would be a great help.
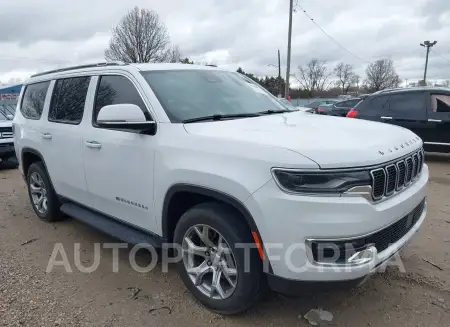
x: 31, y: 297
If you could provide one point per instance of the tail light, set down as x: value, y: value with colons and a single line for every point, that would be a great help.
x: 320, y: 110
x: 352, y: 114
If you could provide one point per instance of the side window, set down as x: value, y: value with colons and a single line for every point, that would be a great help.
x: 341, y: 104
x: 352, y: 103
x: 33, y: 100
x: 440, y: 103
x: 69, y: 96
x: 410, y: 104
x: 115, y: 89
x: 379, y: 103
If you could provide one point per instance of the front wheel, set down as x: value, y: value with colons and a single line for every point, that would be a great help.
x: 215, y: 266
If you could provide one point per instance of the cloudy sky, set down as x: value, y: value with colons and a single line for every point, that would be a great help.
x: 36, y: 35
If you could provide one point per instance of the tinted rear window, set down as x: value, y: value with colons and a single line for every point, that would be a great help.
x: 69, y: 96
x: 407, y: 104
x: 33, y: 100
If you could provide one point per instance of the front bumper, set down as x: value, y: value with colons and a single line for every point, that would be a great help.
x: 7, y: 149
x: 287, y: 222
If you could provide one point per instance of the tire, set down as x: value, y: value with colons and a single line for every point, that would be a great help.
x: 250, y: 286
x: 37, y: 176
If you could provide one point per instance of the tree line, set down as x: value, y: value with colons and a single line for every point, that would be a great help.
x: 141, y: 36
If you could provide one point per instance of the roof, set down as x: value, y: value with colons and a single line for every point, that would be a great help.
x: 120, y: 66
x: 413, y: 89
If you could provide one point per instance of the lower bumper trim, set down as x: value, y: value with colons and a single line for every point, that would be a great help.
x: 292, y: 287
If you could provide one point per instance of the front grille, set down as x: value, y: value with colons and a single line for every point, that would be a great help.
x: 395, y: 176
x: 391, y: 234
x: 6, y: 130
x: 325, y: 251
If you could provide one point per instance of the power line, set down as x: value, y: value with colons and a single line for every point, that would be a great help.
x: 436, y: 53
x: 328, y: 35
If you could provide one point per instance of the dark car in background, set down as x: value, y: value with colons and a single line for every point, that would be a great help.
x: 340, y: 108
x: 320, y: 103
x: 423, y: 110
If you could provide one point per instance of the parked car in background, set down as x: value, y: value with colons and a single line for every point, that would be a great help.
x: 7, y: 152
x: 340, y: 108
x: 289, y: 105
x: 316, y: 104
x: 425, y: 111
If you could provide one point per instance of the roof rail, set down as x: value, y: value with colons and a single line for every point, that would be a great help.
x: 100, y: 64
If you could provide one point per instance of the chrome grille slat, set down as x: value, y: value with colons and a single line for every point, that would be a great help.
x: 415, y: 159
x: 401, y: 174
x: 394, y: 176
x: 409, y: 168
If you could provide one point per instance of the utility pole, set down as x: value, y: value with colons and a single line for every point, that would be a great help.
x: 288, y: 68
x: 280, y: 86
x: 428, y: 45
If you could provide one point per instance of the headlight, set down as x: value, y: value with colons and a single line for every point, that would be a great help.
x: 320, y: 181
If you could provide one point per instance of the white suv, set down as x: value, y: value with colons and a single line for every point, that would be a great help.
x: 6, y: 133
x: 254, y: 193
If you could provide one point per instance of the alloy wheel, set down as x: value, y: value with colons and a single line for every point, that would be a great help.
x: 38, y: 193
x: 209, y: 262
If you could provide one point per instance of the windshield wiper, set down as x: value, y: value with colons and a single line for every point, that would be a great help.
x: 271, y: 112
x: 217, y: 117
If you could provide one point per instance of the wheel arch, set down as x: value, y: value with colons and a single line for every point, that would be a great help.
x: 26, y: 163
x: 168, y: 223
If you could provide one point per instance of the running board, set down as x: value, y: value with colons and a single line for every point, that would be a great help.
x: 111, y: 226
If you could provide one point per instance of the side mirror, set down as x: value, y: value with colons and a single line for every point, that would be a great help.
x: 125, y: 116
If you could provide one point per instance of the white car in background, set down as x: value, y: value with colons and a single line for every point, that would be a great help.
x: 7, y: 151
x: 288, y: 104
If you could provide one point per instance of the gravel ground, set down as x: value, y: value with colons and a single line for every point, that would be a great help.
x: 31, y: 297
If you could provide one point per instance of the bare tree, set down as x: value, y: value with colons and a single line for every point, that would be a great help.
x: 355, y: 80
x: 381, y: 75
x: 141, y: 37
x: 313, y: 76
x: 344, y: 72
x: 173, y: 55
x: 446, y: 83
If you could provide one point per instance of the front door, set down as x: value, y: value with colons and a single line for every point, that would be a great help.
x: 118, y: 163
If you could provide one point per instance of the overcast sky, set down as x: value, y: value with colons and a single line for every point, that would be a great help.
x: 39, y: 35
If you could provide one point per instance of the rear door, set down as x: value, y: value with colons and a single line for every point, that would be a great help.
x: 438, y: 115
x: 62, y: 135
x: 409, y: 110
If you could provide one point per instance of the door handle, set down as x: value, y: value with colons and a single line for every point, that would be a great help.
x: 46, y: 136
x: 387, y: 118
x: 93, y: 144
x: 434, y: 120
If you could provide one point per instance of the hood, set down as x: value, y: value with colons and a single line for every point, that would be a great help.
x: 5, y: 123
x: 332, y: 142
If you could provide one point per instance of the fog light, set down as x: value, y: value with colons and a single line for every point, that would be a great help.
x: 362, y: 257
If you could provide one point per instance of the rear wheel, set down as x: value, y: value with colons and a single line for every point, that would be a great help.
x: 222, y: 275
x: 42, y: 196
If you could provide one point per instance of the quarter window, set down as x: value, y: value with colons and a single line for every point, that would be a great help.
x: 115, y: 89
x: 68, y: 99
x: 33, y: 100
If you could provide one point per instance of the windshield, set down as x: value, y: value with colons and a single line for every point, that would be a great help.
x: 190, y: 94
x: 5, y: 112
x: 3, y: 117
